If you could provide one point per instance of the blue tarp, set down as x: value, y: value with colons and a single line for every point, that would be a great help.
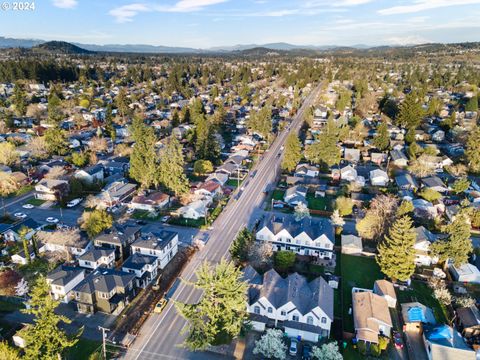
x: 440, y: 333
x: 415, y: 314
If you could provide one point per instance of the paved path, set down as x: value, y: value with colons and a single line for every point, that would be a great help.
x: 160, y: 336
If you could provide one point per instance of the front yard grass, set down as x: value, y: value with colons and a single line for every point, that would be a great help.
x: 357, y: 271
x: 423, y: 294
x: 324, y: 204
x: 83, y: 349
x: 35, y: 202
x: 278, y: 194
x: 180, y: 221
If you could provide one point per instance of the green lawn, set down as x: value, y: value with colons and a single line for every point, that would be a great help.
x: 423, y: 294
x: 233, y: 183
x: 319, y: 203
x: 357, y: 271
x: 23, y: 190
x: 278, y: 194
x: 180, y: 221
x: 35, y: 202
x: 83, y: 349
x: 10, y: 306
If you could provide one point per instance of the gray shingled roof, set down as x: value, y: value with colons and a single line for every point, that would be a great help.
x: 63, y: 274
x: 138, y: 261
x: 95, y: 254
x: 312, y: 227
x: 104, y: 280
x: 155, y: 240
x: 295, y: 288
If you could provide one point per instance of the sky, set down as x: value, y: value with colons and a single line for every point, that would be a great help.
x: 211, y: 23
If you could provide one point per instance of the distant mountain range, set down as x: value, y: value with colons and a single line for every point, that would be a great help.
x: 60, y: 47
x: 141, y: 48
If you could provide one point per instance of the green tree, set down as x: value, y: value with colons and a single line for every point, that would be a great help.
x: 396, y: 255
x: 382, y: 140
x: 458, y: 245
x: 292, y: 153
x: 241, y: 245
x: 54, y: 109
x: 460, y: 185
x: 220, y: 314
x: 430, y: 194
x: 202, y: 167
x: 121, y: 101
x: 109, y: 129
x: 79, y: 159
x: 19, y: 99
x: 325, y: 150
x: 206, y: 144
x: 405, y: 208
x: 284, y: 260
x: 56, y: 141
x: 344, y: 205
x: 8, y: 186
x: 171, y: 173
x: 410, y: 112
x: 23, y: 236
x: 7, y: 352
x: 44, y: 339
x: 8, y: 154
x: 94, y: 222
x: 260, y: 122
x: 449, y: 123
x: 472, y: 151
x: 472, y: 104
x: 144, y: 160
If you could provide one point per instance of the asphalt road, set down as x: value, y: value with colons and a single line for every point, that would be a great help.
x: 160, y: 336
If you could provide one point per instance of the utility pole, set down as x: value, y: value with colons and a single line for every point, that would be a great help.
x: 104, y: 338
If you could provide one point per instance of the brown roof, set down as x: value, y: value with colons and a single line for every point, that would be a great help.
x: 368, y: 310
x: 209, y: 186
x: 385, y: 288
x: 152, y: 199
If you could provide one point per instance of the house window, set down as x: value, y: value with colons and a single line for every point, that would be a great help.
x: 284, y: 313
x: 295, y: 318
x: 270, y: 310
x: 324, y: 320
x: 256, y: 309
x: 310, y: 320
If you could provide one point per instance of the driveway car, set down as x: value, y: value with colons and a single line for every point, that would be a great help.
x: 74, y: 203
x: 28, y: 206
x: 52, y: 220
x: 20, y: 215
x: 306, y: 352
x: 398, y: 340
x: 292, y: 350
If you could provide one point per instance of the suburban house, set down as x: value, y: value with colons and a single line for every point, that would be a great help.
x: 62, y: 280
x: 468, y: 320
x: 119, y: 238
x: 386, y: 290
x: 116, y: 193
x: 425, y: 238
x: 145, y: 268
x: 303, y: 309
x: 435, y: 183
x: 104, y: 290
x: 96, y: 257
x: 306, y: 237
x: 51, y: 190
x: 218, y: 177
x: 11, y: 232
x: 444, y: 342
x: 296, y: 195
x: 195, y: 210
x: 352, y: 245
x: 306, y: 170
x: 90, y: 174
x: 352, y: 155
x: 371, y: 316
x: 467, y: 273
x: 379, y: 178
x: 21, y: 258
x: 415, y: 315
x: 162, y: 244
x: 399, y: 158
x: 348, y: 173
x: 152, y: 202
x: 405, y: 181
x: 76, y: 244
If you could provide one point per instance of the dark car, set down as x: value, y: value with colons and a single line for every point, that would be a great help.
x: 307, y: 352
x: 398, y: 340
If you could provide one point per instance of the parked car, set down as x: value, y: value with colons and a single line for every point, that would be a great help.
x: 306, y: 352
x: 160, y: 306
x: 20, y: 215
x: 74, y: 202
x: 52, y: 220
x: 28, y: 206
x: 398, y: 340
x: 292, y: 350
x: 130, y: 211
x: 165, y: 218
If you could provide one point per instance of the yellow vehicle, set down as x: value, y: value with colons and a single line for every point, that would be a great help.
x: 160, y: 306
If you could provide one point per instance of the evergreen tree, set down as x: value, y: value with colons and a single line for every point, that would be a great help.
x: 472, y: 104
x: 54, y: 109
x: 382, y: 140
x: 23, y: 236
x: 171, y: 173
x: 396, y: 255
x: 449, y: 123
x: 121, y: 101
x: 292, y: 154
x: 410, y: 112
x: 202, y: 167
x: 473, y: 150
x: 460, y: 185
x: 458, y: 245
x: 241, y: 245
x: 8, y: 353
x: 95, y: 222
x: 260, y: 122
x: 19, y: 100
x: 44, y: 339
x: 220, y: 314
x: 325, y: 150
x: 56, y: 141
x: 109, y: 129
x: 143, y: 161
x: 206, y: 144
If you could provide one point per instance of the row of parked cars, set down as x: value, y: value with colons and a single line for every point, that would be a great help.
x: 294, y: 349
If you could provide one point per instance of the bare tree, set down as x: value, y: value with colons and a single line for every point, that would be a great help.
x: 8, y: 185
x: 260, y: 255
x: 56, y: 172
x: 66, y: 238
x: 98, y: 144
x: 38, y: 147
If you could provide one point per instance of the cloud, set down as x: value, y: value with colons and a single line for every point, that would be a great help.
x: 190, y: 5
x: 126, y: 13
x: 407, y: 40
x: 65, y: 4
x: 422, y: 5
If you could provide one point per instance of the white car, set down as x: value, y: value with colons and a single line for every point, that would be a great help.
x: 28, y: 206
x: 52, y: 220
x: 74, y: 202
x: 130, y: 211
x: 20, y: 215
x: 165, y: 218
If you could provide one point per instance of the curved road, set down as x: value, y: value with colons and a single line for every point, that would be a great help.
x: 160, y: 336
